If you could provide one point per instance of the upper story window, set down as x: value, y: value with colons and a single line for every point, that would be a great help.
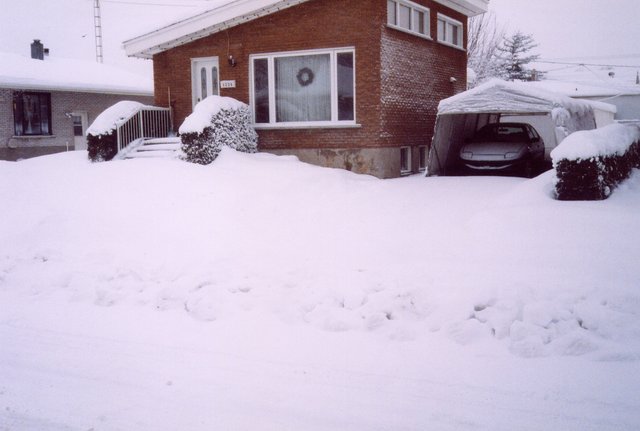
x: 408, y: 16
x: 308, y: 88
x: 449, y: 31
x: 32, y: 113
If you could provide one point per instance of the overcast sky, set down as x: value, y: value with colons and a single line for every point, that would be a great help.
x: 597, y: 29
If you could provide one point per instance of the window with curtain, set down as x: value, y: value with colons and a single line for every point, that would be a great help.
x: 309, y: 87
x: 32, y: 113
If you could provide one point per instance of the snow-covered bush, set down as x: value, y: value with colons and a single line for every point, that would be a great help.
x: 216, y: 122
x: 102, y: 138
x: 589, y: 164
x: 102, y: 148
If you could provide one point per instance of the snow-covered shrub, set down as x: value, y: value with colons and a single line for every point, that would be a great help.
x: 102, y: 141
x: 102, y: 148
x: 216, y: 122
x: 589, y: 164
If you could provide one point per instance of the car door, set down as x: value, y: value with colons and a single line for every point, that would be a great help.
x: 536, y: 143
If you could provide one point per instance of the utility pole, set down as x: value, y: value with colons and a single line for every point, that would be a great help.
x: 98, y: 29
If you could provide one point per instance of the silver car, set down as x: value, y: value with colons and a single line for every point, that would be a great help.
x: 500, y: 146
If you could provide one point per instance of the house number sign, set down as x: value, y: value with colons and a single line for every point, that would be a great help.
x: 228, y: 84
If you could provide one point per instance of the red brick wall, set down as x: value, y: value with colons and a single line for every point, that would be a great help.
x: 399, y: 77
x: 415, y: 76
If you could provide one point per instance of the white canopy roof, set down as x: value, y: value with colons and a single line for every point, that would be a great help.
x: 497, y: 96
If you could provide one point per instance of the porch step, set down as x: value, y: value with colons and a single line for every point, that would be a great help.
x: 155, y: 148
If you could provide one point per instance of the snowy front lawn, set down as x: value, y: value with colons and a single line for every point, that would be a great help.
x: 261, y: 293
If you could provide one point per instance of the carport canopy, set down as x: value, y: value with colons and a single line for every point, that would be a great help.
x: 461, y: 115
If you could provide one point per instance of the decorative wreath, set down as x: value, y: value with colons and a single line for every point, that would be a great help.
x: 305, y: 76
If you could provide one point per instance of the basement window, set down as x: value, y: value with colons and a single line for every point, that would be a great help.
x: 422, y: 157
x: 405, y: 160
x: 304, y: 88
x: 449, y: 31
x: 31, y: 113
x: 408, y: 16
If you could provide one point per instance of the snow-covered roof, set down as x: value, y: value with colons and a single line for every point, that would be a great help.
x: 509, y: 97
x: 60, y: 74
x: 592, y: 81
x: 222, y: 14
x: 588, y: 89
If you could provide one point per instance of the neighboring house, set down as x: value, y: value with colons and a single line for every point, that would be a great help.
x: 46, y: 103
x: 617, y: 86
x: 353, y: 85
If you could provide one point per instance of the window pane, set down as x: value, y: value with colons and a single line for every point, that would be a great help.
x: 391, y: 12
x: 261, y: 89
x: 454, y: 35
x: 405, y: 160
x: 345, y: 86
x: 405, y: 17
x: 44, y: 114
x: 214, y: 81
x: 77, y: 125
x: 303, y: 88
x: 18, y: 112
x: 31, y: 114
x: 418, y: 22
x: 440, y: 30
x: 203, y: 83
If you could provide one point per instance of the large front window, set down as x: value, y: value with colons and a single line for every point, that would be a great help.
x: 304, y: 88
x: 32, y: 113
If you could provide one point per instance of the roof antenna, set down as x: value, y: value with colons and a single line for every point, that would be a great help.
x: 98, y: 29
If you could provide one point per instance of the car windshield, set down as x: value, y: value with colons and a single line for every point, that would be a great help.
x: 501, y: 133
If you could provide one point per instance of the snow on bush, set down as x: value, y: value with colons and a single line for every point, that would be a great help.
x: 589, y: 164
x: 101, y: 136
x: 217, y: 122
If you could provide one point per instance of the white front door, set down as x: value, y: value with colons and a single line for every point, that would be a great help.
x: 204, y: 78
x: 80, y: 124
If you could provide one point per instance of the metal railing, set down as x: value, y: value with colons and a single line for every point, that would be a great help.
x: 148, y: 122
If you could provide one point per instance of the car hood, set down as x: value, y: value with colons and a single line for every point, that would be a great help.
x: 493, y: 151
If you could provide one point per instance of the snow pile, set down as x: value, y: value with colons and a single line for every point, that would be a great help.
x: 614, y: 139
x: 206, y: 109
x: 110, y: 118
x: 181, y: 294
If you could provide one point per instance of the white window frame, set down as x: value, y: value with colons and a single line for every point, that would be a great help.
x: 414, y: 7
x: 334, y: 122
x: 407, y: 169
x: 448, y: 23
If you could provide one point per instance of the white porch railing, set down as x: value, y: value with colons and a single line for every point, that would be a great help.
x: 148, y: 122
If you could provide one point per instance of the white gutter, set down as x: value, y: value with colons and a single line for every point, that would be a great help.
x: 203, y: 24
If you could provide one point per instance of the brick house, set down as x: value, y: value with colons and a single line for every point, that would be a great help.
x: 353, y: 85
x: 46, y: 104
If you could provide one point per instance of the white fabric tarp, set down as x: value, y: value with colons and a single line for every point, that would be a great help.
x: 461, y: 115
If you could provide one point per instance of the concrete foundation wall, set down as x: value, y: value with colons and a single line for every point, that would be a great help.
x: 379, y: 162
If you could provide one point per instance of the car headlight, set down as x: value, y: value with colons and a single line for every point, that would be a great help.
x: 467, y: 154
x: 511, y: 155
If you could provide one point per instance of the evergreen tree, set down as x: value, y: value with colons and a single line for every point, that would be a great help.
x: 515, y: 55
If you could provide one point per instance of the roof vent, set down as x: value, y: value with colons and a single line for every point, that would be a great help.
x: 37, y: 50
